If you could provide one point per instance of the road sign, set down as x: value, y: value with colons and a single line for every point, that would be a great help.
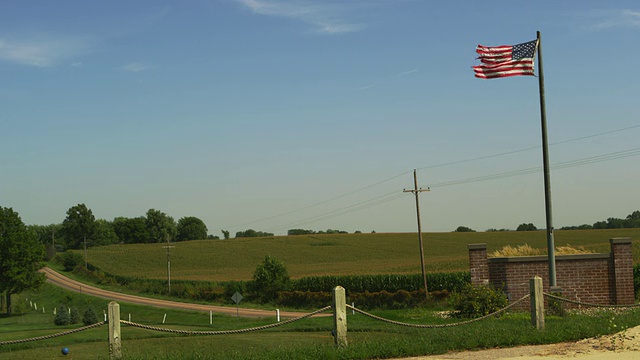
x: 236, y: 297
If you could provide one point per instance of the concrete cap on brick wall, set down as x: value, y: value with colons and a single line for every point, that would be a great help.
x: 477, y: 246
x: 620, y: 240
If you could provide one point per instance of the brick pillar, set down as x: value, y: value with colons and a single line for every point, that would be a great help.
x: 622, y: 258
x: 478, y: 264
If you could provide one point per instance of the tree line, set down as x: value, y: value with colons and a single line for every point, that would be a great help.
x: 631, y: 221
x: 80, y: 228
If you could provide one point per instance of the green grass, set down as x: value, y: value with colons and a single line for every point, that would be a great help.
x: 235, y: 259
x: 313, y: 255
x: 306, y: 339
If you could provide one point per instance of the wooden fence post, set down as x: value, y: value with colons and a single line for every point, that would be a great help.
x: 340, y: 316
x: 537, y: 302
x: 115, y: 347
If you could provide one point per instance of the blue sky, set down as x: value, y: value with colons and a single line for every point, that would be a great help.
x: 286, y: 114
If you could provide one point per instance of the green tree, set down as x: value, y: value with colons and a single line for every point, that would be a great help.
x: 131, y: 230
x: 225, y: 234
x: 252, y: 233
x: 464, y: 229
x: 49, y: 236
x: 70, y: 260
x: 526, y: 227
x: 62, y: 316
x: 191, y: 228
x: 332, y: 231
x: 161, y: 227
x: 270, y: 277
x: 104, y: 233
x: 74, y: 316
x: 78, y: 226
x: 300, y: 232
x: 21, y: 256
x: 89, y: 317
x: 600, y: 225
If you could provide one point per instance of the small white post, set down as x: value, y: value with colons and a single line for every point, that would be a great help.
x: 55, y: 311
x: 278, y: 314
x: 69, y: 311
x: 210, y: 317
x: 105, y: 315
x: 35, y: 306
x: 43, y: 309
x: 129, y: 317
x: 353, y: 305
x: 30, y: 304
x: 164, y: 318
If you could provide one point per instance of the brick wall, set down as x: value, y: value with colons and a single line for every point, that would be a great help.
x: 591, y: 278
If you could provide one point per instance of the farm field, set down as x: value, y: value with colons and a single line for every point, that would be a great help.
x: 342, y: 254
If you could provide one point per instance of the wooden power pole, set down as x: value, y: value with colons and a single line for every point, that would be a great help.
x: 168, y: 247
x: 416, y: 191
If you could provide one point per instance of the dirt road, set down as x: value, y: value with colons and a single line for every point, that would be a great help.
x: 62, y: 281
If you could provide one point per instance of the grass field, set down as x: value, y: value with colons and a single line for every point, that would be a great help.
x: 236, y: 259
x: 343, y: 254
x: 306, y: 339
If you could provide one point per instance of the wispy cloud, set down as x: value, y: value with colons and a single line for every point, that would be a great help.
x: 607, y: 19
x: 135, y: 67
x: 323, y: 17
x: 407, y: 72
x: 42, y: 52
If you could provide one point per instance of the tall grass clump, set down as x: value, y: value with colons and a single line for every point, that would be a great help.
x: 526, y: 250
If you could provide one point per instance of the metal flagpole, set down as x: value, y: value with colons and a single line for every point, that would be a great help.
x: 547, y: 177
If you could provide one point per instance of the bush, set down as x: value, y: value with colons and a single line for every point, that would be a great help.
x: 89, y: 317
x: 476, y: 301
x: 367, y: 300
x: 74, y: 316
x: 70, y: 260
x: 62, y: 316
x: 453, y: 281
x: 270, y: 277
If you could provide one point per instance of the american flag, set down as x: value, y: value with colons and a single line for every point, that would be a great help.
x: 505, y: 60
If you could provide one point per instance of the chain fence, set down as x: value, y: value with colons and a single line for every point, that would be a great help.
x: 224, y: 332
x: 269, y: 326
x: 576, y: 302
x: 10, y: 342
x: 421, y: 326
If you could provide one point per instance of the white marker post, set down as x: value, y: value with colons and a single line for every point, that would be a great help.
x: 164, y: 318
x: 278, y: 314
x: 210, y: 317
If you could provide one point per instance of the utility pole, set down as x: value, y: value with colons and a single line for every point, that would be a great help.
x: 168, y: 247
x: 416, y: 191
x: 86, y: 265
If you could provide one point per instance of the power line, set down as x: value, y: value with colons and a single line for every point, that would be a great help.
x: 526, y: 149
x: 370, y: 203
x: 321, y: 202
x: 563, y: 165
x: 346, y: 210
x: 454, y: 182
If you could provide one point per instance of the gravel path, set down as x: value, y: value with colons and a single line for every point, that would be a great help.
x: 62, y: 281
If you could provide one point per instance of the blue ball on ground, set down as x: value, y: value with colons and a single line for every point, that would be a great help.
x: 65, y: 351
